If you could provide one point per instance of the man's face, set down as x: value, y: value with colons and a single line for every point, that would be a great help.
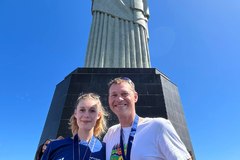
x: 122, y: 99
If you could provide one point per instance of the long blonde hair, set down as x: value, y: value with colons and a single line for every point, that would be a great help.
x: 100, y: 126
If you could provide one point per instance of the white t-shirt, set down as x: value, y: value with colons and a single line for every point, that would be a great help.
x: 155, y: 139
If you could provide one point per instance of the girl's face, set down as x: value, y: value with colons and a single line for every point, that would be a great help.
x: 87, y: 113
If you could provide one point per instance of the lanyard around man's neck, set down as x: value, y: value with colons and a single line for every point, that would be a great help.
x: 130, y: 139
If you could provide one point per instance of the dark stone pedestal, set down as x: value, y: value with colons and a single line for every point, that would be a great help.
x: 158, y: 97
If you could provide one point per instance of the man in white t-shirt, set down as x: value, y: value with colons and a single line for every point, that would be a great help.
x: 139, y: 138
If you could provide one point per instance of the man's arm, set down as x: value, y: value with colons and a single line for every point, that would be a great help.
x: 43, y: 147
x: 170, y: 143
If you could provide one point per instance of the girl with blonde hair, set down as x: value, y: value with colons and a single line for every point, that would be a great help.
x: 87, y: 125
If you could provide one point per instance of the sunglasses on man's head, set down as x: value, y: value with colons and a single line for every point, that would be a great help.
x: 126, y: 79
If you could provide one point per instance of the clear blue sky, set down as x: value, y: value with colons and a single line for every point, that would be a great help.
x: 195, y: 43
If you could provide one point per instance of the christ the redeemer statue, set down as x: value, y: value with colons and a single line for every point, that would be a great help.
x: 119, y: 34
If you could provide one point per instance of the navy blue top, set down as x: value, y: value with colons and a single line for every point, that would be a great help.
x: 69, y: 149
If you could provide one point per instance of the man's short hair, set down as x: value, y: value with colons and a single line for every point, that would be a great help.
x: 119, y: 80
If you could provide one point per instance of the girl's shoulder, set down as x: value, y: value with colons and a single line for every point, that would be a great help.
x: 62, y: 142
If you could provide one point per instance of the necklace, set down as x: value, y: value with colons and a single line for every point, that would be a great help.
x: 78, y: 148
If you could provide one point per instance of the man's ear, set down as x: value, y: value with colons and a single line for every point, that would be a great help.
x: 136, y: 96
